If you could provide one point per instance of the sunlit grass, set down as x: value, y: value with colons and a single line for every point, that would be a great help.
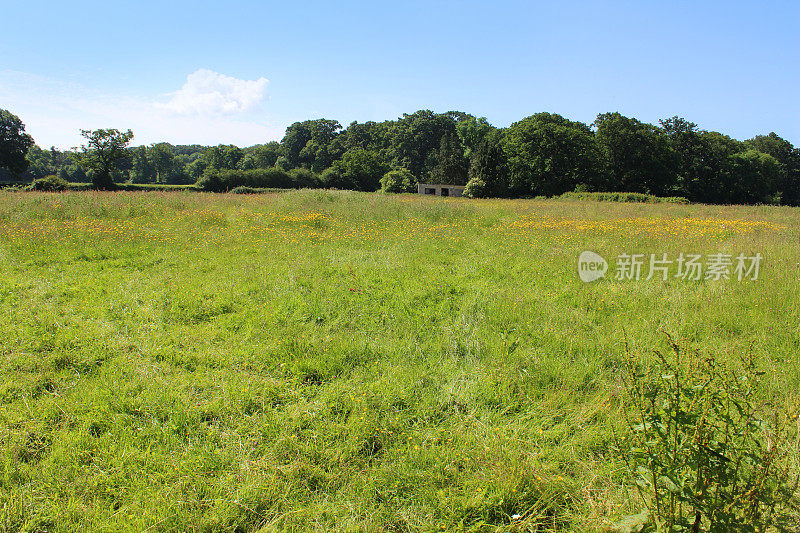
x: 316, y: 360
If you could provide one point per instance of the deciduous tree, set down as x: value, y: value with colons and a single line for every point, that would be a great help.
x: 788, y: 158
x: 415, y: 140
x: 549, y: 155
x: 488, y: 170
x: 451, y: 163
x: 638, y: 155
x: 103, y: 154
x: 358, y: 169
x: 14, y: 143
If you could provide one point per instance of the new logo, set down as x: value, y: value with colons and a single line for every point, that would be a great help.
x: 591, y: 266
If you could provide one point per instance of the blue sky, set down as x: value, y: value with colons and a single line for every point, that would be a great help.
x: 240, y: 72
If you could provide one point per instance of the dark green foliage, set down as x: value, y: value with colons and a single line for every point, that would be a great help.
x: 398, y: 181
x: 331, y: 178
x: 164, y: 163
x: 162, y: 160
x: 488, y: 170
x: 708, y: 184
x: 471, y: 130
x: 415, y: 140
x: 542, y: 155
x: 142, y: 170
x: 358, y: 169
x: 751, y: 178
x: 451, y: 163
x: 223, y: 157
x: 367, y: 135
x: 310, y: 144
x: 14, y: 143
x: 704, y: 453
x: 39, y: 164
x: 788, y: 158
x: 712, y: 167
x: 224, y: 180
x: 638, y: 155
x: 49, y: 183
x: 303, y: 178
x: 196, y: 168
x: 77, y: 174
x: 689, y: 154
x: 260, y: 156
x: 46, y: 162
x: 548, y: 155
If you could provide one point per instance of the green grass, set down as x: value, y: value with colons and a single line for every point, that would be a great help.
x: 78, y: 186
x: 624, y: 197
x: 314, y: 360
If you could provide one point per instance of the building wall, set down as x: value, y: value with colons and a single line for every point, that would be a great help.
x: 435, y: 189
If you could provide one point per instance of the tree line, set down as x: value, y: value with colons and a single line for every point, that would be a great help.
x: 544, y: 154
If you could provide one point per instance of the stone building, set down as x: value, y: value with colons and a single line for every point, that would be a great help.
x: 439, y: 189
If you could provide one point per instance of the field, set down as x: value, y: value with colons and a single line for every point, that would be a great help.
x: 314, y: 360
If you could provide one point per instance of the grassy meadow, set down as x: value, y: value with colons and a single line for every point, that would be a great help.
x: 315, y: 360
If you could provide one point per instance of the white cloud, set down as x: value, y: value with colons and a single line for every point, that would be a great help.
x: 209, y: 92
x: 54, y: 111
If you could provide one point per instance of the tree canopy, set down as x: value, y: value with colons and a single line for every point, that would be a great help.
x: 103, y: 154
x: 638, y: 155
x: 544, y: 154
x: 548, y: 154
x: 14, y: 143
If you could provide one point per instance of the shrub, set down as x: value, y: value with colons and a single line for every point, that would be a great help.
x: 706, y: 455
x: 675, y: 200
x: 401, y: 180
x: 302, y: 178
x: 476, y: 188
x: 49, y: 183
x: 210, y: 181
x: 224, y: 180
x: 332, y: 178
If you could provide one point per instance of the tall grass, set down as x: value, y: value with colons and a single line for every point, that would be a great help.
x: 316, y: 360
